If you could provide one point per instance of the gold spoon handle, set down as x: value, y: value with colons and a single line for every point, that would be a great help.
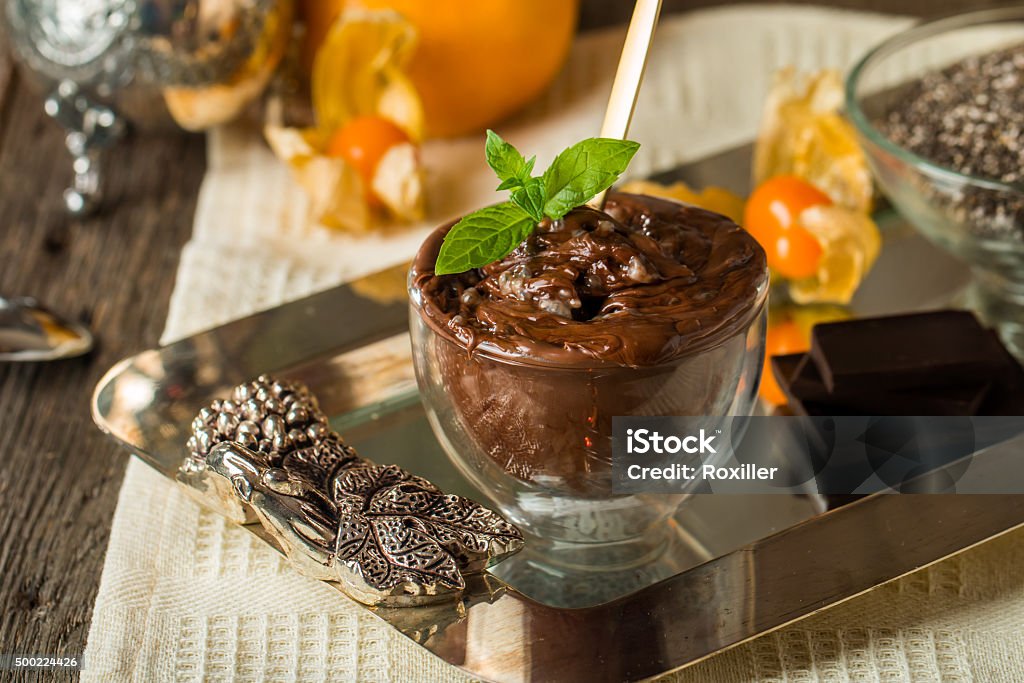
x: 628, y: 76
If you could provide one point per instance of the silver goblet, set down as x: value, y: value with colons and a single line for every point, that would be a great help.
x: 106, y: 63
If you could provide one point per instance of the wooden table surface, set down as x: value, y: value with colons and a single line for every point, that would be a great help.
x: 59, y: 477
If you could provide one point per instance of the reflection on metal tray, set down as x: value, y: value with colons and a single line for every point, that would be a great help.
x: 705, y: 527
x: 751, y: 563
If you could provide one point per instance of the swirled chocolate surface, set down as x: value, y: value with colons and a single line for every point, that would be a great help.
x: 642, y: 283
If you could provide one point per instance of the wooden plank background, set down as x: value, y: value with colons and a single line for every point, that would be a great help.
x: 59, y: 477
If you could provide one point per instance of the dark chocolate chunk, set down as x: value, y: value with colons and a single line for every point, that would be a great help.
x: 807, y: 394
x: 784, y: 368
x: 1006, y: 397
x: 806, y: 383
x: 956, y: 399
x: 965, y: 399
x: 936, y: 382
x: 914, y: 351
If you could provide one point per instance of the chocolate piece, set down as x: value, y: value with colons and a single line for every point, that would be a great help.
x: 1006, y: 397
x: 997, y: 388
x: 806, y: 386
x: 806, y: 383
x: 803, y: 398
x: 965, y: 399
x: 812, y: 409
x: 902, y: 352
x: 784, y: 368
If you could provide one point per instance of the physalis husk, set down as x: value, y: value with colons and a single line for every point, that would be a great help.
x: 712, y: 198
x: 359, y: 72
x: 803, y: 133
x: 850, y: 243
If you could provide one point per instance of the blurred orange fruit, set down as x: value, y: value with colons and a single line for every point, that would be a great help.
x: 475, y: 62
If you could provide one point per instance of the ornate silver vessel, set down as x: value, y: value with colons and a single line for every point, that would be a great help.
x: 103, y: 64
x: 385, y: 536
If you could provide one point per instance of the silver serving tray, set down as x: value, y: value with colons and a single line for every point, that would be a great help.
x: 748, y: 564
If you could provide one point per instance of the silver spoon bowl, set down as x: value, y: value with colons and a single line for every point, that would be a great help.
x: 30, y: 332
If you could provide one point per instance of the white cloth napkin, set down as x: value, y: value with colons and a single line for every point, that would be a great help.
x: 185, y: 596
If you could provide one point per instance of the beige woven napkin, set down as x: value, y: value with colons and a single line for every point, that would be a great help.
x: 186, y: 597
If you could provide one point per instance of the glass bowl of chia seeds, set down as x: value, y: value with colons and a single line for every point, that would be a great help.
x: 939, y: 109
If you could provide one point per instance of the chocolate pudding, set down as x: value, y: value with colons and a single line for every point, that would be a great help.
x: 641, y: 284
x: 648, y: 308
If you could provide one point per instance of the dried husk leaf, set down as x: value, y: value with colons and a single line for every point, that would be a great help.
x: 334, y: 188
x: 803, y: 133
x: 398, y: 182
x: 360, y: 70
x: 850, y: 244
x: 712, y: 198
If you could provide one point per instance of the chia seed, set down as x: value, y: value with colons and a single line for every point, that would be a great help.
x: 969, y: 117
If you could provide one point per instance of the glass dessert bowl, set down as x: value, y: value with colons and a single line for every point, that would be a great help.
x: 933, y: 107
x: 652, y: 308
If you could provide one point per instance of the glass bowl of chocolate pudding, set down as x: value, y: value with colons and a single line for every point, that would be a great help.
x: 650, y: 308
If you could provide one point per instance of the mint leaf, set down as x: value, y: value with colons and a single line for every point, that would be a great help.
x: 482, y: 237
x: 530, y: 198
x: 509, y: 183
x: 583, y: 170
x: 511, y: 167
x: 576, y: 175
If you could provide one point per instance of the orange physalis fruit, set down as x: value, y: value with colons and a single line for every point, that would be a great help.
x: 360, y: 164
x: 772, y: 216
x: 363, y: 142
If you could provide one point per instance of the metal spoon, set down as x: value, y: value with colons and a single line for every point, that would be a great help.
x: 628, y: 76
x: 30, y: 332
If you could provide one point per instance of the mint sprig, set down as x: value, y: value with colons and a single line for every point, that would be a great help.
x: 476, y: 238
x: 575, y: 176
x: 585, y: 169
x: 512, y: 167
